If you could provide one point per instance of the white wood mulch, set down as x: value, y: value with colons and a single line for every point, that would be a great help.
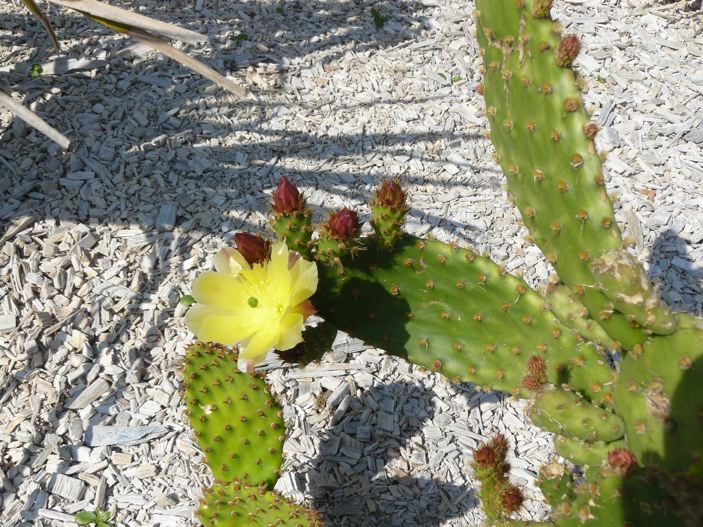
x: 97, y: 245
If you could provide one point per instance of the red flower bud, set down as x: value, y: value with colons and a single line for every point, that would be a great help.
x: 287, y: 199
x: 622, y: 461
x: 485, y: 457
x: 569, y: 48
x: 344, y: 224
x: 253, y: 248
x: 537, y: 369
x: 499, y: 445
x: 511, y: 499
x: 390, y: 194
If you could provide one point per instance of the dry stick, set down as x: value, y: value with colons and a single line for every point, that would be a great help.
x: 187, y: 61
x: 34, y: 120
x: 127, y: 18
x: 34, y: 8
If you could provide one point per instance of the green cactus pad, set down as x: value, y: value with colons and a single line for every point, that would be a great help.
x: 450, y: 310
x: 235, y: 504
x: 237, y: 423
x: 623, y: 280
x: 659, y: 390
x: 612, y: 500
x: 557, y: 484
x: 554, y: 173
x: 589, y: 456
x: 296, y: 229
x: 566, y: 413
x: 565, y: 305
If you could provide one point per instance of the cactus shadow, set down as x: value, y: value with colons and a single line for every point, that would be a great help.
x: 680, y: 282
x: 350, y: 491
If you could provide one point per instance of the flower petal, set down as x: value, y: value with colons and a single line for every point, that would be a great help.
x: 259, y: 345
x: 290, y: 328
x: 230, y: 261
x: 278, y: 275
x: 217, y: 325
x: 219, y: 289
x: 304, y: 281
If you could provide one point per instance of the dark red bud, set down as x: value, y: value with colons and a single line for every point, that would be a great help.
x: 622, y: 461
x: 253, y: 248
x: 344, y: 224
x: 499, y: 445
x: 485, y: 457
x: 390, y: 194
x: 287, y: 199
x: 537, y: 368
x: 569, y: 48
x: 511, y: 499
x: 532, y: 384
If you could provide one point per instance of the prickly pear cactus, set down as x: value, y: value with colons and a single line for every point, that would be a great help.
x: 237, y: 503
x: 607, y: 367
x: 239, y: 427
x: 236, y: 421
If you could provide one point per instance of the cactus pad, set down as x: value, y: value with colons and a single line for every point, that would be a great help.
x: 450, y: 310
x: 623, y: 280
x: 659, y: 389
x: 242, y: 504
x: 539, y: 128
x: 566, y: 413
x: 237, y: 423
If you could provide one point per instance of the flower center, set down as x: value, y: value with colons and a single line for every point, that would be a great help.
x: 253, y: 301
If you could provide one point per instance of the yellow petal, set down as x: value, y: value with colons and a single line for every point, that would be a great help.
x: 217, y: 325
x: 259, y: 345
x: 304, y: 276
x: 230, y: 261
x: 220, y: 290
x: 278, y: 276
x: 291, y: 331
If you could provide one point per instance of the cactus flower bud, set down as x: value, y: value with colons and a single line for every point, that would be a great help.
x: 343, y: 224
x: 287, y: 199
x: 253, y: 248
x: 569, y: 48
x: 485, y: 457
x: 499, y: 445
x: 511, y: 499
x: 390, y: 194
x: 622, y: 461
x: 536, y: 366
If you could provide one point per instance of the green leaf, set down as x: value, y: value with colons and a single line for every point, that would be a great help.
x: 187, y: 300
x: 35, y: 71
x: 378, y: 19
x: 86, y: 518
x: 103, y: 515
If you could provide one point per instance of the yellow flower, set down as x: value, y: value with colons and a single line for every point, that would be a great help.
x: 261, y: 307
